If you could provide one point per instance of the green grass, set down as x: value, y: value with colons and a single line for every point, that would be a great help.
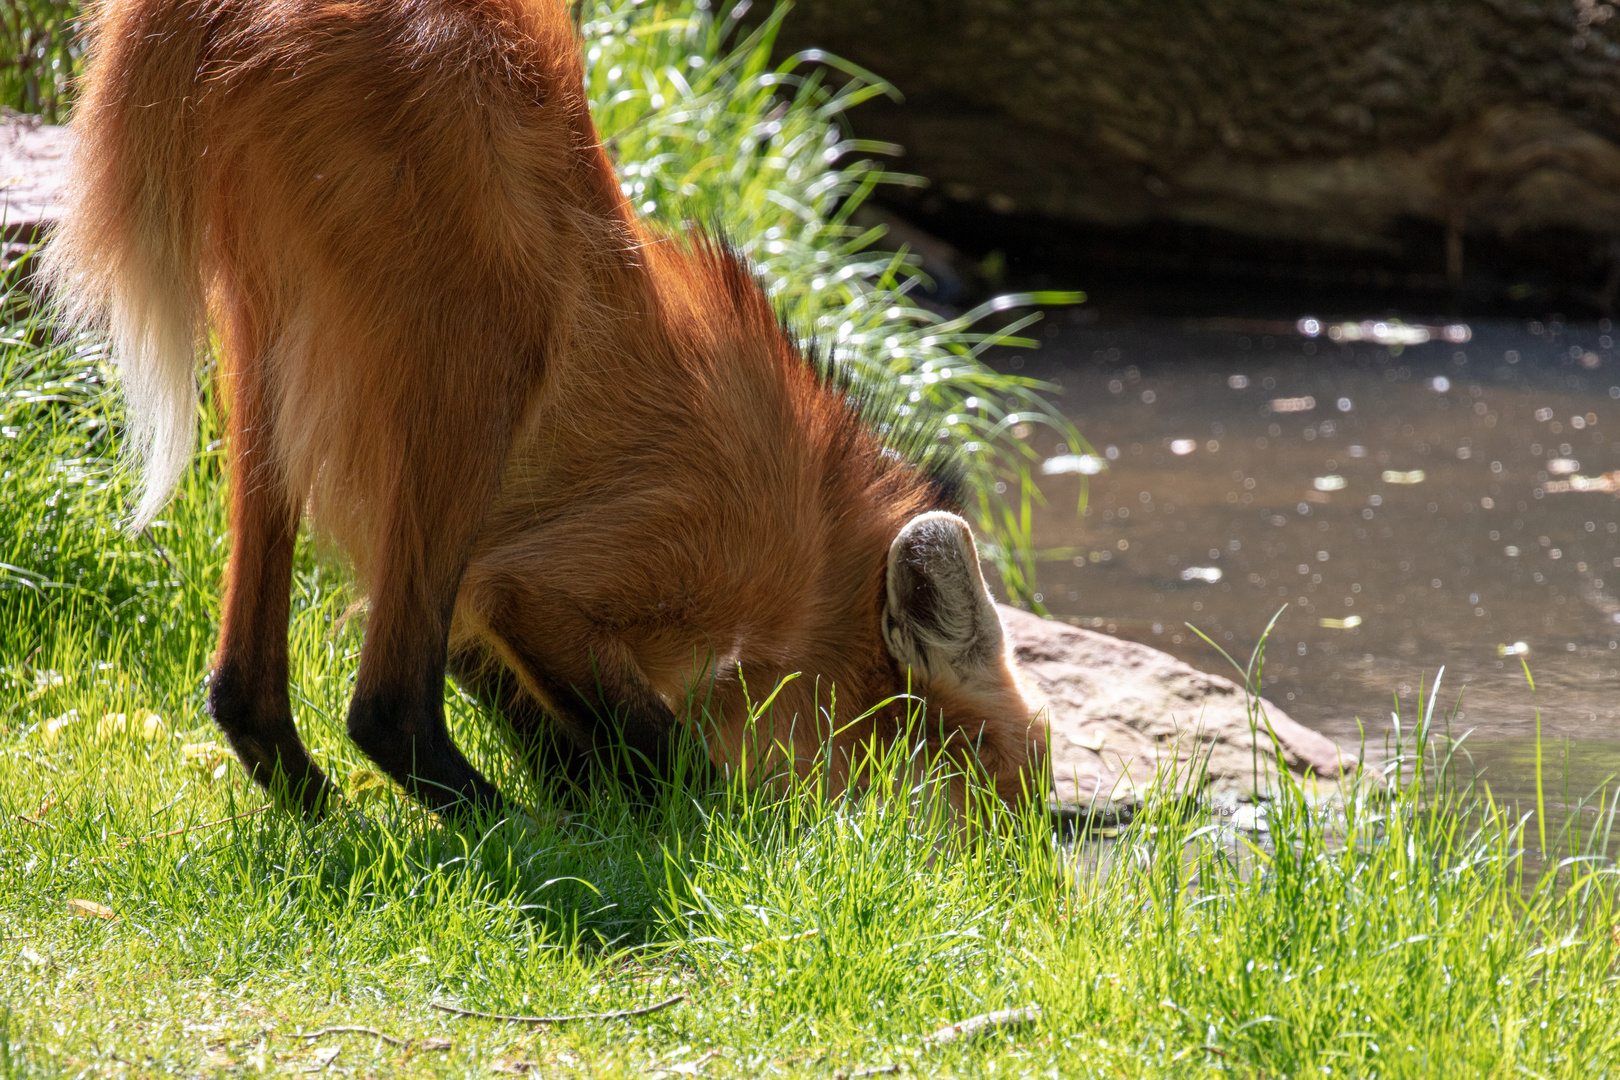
x: 1400, y: 936
x: 1408, y: 933
x: 39, y: 55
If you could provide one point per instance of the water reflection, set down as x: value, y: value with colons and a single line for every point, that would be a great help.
x: 1450, y: 502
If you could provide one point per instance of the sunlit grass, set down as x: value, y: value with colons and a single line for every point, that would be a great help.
x: 1407, y: 932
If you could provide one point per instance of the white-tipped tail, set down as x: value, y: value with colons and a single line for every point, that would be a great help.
x: 154, y: 347
x: 157, y: 359
x: 125, y: 261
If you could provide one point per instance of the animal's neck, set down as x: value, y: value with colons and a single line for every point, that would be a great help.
x: 782, y: 460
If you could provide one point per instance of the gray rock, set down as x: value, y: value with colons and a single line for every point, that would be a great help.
x: 33, y: 177
x: 1124, y: 717
x: 33, y: 173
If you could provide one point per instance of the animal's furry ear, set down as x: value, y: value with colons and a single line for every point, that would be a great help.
x: 939, y: 619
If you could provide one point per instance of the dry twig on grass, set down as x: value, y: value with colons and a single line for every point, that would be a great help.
x: 35, y: 817
x: 876, y: 1070
x: 617, y: 1014
x: 984, y: 1024
x: 353, y: 1029
x: 391, y: 1040
x: 323, y: 1061
x: 128, y: 840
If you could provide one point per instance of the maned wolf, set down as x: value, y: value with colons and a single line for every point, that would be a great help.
x: 576, y: 461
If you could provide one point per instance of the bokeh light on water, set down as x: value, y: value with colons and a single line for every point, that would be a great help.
x: 1451, y: 502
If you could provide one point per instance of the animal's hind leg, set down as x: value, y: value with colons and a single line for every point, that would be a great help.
x: 247, y: 694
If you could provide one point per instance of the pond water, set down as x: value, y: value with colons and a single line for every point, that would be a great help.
x: 1405, y: 504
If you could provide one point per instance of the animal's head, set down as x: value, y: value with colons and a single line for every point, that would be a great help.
x: 940, y: 624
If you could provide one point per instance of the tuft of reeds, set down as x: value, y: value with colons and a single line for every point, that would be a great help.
x: 40, y: 54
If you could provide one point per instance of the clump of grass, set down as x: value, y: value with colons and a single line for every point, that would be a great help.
x: 40, y: 53
x: 1406, y: 931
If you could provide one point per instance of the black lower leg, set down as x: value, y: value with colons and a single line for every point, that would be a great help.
x: 402, y: 729
x: 623, y: 727
x: 257, y: 721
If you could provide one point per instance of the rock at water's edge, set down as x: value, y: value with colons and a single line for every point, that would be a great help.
x: 1398, y: 129
x: 1119, y: 711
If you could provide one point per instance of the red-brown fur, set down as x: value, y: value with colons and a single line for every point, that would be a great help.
x: 572, y: 458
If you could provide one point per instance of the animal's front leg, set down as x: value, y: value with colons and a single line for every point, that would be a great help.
x: 589, y: 682
x: 449, y: 459
x: 548, y: 752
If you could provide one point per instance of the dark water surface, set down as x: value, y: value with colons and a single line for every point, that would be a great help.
x: 1406, y: 506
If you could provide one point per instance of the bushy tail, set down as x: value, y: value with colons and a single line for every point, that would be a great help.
x: 126, y: 261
